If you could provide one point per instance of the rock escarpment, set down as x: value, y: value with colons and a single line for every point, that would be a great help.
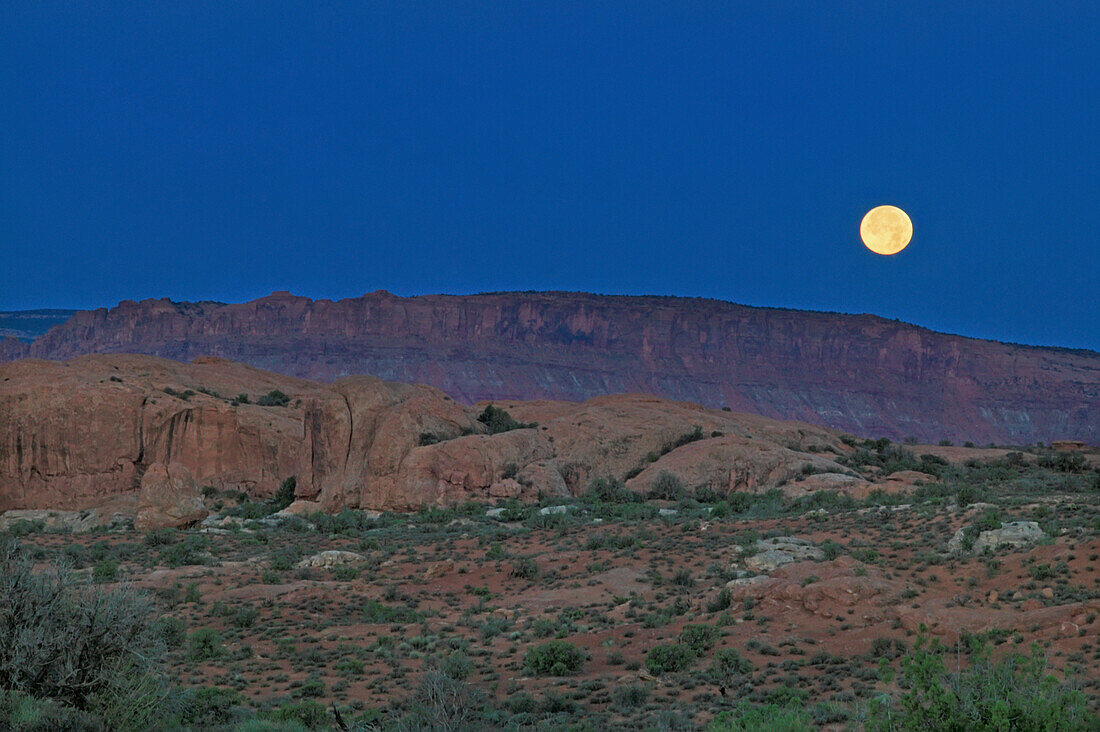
x: 143, y: 434
x: 861, y: 374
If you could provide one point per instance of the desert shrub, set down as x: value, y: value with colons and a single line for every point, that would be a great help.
x: 312, y: 687
x: 64, y: 638
x: 457, y: 666
x: 666, y: 487
x: 348, y: 522
x: 172, y: 630
x: 273, y: 398
x: 728, y: 662
x: 444, y: 703
x: 966, y: 494
x: 284, y: 558
x: 19, y: 711
x: 378, y: 612
x: 610, y: 541
x: 160, y: 537
x: 350, y: 667
x: 739, y: 501
x: 207, y: 706
x: 105, y: 570
x: 285, y: 495
x: 307, y: 712
x: 498, y: 420
x: 721, y: 601
x: 1064, y: 462
x: 632, y: 696
x: 989, y: 520
x: 186, y: 552
x: 694, y: 435
x: 608, y: 490
x: 23, y: 527
x: 246, y: 616
x: 767, y: 718
x: 667, y: 658
x: 555, y: 658
x: 830, y: 549
x: 699, y: 638
x: 683, y: 578
x: 525, y: 568
x: 428, y: 438
x: 204, y: 644
x: 1016, y: 692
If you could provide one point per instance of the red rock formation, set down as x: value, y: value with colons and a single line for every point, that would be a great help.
x: 97, y: 428
x: 169, y: 498
x: 861, y: 374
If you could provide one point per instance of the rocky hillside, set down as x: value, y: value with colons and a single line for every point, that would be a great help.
x: 78, y: 434
x: 861, y: 374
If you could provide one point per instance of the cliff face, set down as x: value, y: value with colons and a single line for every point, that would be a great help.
x: 98, y: 429
x: 861, y: 374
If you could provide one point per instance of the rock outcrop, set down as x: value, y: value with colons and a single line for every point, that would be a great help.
x: 169, y: 498
x: 774, y: 553
x: 330, y: 559
x: 90, y: 431
x: 862, y: 374
x: 1015, y: 534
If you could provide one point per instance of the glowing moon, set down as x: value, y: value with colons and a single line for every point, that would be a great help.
x: 886, y: 230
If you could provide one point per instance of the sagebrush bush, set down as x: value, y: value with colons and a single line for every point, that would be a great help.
x: 64, y: 638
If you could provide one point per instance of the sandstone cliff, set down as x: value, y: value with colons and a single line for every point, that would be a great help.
x: 78, y: 434
x: 861, y: 374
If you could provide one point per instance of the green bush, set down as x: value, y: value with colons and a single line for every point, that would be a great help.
x: 285, y: 495
x: 19, y: 711
x: 609, y: 490
x: 721, y: 601
x: 64, y: 638
x: 666, y: 487
x: 208, y: 706
x: 172, y: 630
x: 555, y: 658
x: 378, y: 612
x: 498, y: 420
x: 185, y: 553
x: 768, y: 718
x: 1014, y: 693
x: 273, y: 398
x: 246, y: 616
x: 633, y: 696
x: 204, y: 644
x: 309, y: 713
x: 728, y: 662
x: 105, y: 570
x: 699, y: 638
x: 525, y: 568
x: 664, y: 659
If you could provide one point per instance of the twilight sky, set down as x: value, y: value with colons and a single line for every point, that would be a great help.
x: 223, y: 150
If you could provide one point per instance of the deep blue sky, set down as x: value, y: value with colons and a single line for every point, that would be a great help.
x: 214, y: 150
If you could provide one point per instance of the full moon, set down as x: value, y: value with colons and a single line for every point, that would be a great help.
x: 886, y: 230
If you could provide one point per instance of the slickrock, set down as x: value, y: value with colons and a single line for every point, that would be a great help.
x: 103, y: 428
